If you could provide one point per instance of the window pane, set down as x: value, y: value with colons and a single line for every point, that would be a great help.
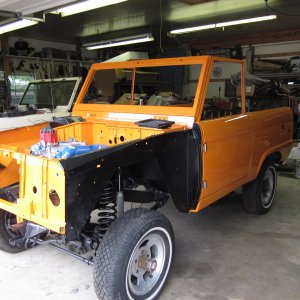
x: 18, y: 84
x: 153, y: 86
x: 223, y: 96
x: 262, y: 94
x: 49, y: 94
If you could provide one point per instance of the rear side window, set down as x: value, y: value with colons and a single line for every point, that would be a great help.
x: 223, y: 95
x: 262, y: 94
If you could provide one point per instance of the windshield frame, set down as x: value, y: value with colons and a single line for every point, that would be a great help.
x: 70, y: 102
x: 143, y: 109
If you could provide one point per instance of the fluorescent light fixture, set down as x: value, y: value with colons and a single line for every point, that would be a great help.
x: 142, y: 38
x: 85, y: 6
x: 192, y: 29
x: 245, y: 21
x: 291, y: 82
x: 16, y: 25
x: 223, y: 24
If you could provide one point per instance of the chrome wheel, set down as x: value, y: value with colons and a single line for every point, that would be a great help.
x: 148, y: 262
x: 268, y: 187
x: 259, y: 194
x: 135, y: 256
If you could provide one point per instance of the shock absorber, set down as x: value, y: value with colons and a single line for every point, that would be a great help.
x: 108, y: 212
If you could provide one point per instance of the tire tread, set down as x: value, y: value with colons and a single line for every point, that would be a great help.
x: 107, y: 260
x: 252, y: 190
x: 4, y: 237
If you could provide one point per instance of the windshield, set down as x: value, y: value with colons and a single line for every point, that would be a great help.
x: 150, y: 86
x: 48, y: 94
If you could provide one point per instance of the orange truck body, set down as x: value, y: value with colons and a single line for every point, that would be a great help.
x: 232, y: 148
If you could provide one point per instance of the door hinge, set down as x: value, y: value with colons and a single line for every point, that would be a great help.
x: 204, y: 184
x: 204, y: 147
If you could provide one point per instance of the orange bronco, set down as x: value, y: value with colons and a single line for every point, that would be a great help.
x: 188, y: 129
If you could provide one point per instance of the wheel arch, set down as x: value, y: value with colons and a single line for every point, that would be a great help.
x: 175, y: 157
x: 258, y: 194
x: 275, y: 156
x: 175, y: 168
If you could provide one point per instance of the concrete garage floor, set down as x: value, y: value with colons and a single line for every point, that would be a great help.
x: 221, y: 253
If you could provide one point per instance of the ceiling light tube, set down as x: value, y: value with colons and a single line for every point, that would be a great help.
x: 223, y: 24
x: 120, y: 42
x: 85, y: 6
x: 246, y: 21
x: 16, y: 25
x: 192, y: 29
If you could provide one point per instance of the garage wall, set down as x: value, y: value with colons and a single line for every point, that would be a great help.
x: 284, y: 47
x: 38, y: 45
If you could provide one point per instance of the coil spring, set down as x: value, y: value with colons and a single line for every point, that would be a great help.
x: 108, y: 211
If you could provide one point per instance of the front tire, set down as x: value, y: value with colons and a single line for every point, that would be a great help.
x: 258, y: 195
x: 134, y: 257
x: 7, y: 219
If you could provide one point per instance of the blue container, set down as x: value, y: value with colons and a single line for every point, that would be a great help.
x: 71, y: 151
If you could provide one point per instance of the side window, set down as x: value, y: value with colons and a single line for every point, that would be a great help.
x: 223, y: 96
x: 262, y: 94
x: 18, y: 84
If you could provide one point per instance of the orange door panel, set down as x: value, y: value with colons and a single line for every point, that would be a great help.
x: 228, y: 147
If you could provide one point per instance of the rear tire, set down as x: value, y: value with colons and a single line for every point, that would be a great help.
x: 6, y: 219
x: 258, y: 195
x: 134, y: 257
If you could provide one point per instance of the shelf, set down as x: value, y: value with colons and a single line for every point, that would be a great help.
x: 50, y: 59
x: 290, y: 75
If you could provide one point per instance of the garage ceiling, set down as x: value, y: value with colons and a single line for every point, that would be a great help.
x: 159, y: 17
x: 27, y: 7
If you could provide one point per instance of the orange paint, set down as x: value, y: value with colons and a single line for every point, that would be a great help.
x: 236, y: 145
